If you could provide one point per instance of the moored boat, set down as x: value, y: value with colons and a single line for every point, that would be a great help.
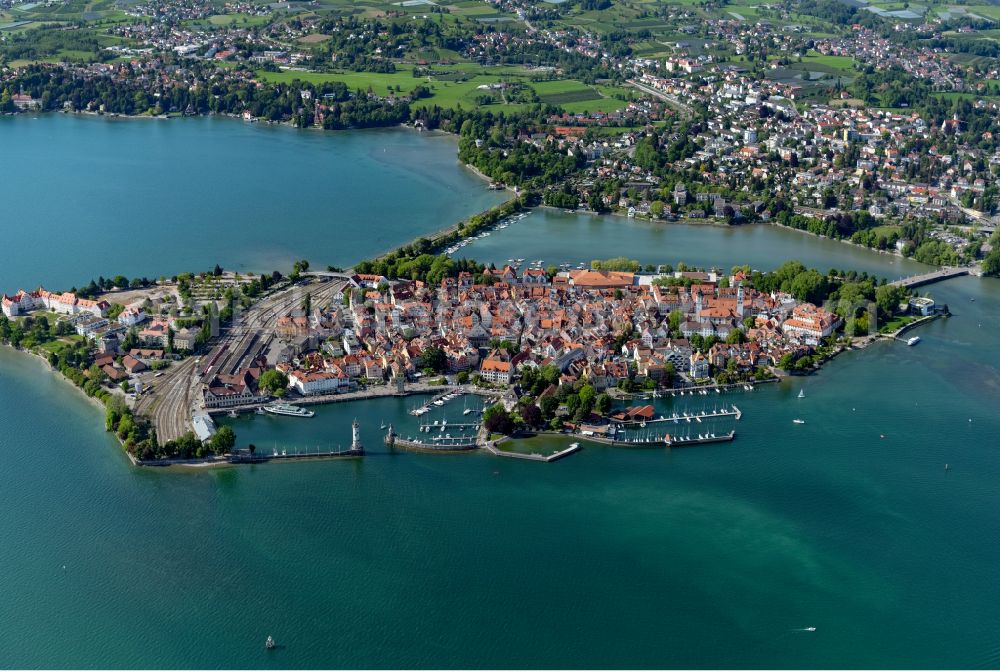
x: 288, y: 409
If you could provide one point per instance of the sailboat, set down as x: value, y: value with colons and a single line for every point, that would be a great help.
x: 802, y: 394
x: 383, y: 425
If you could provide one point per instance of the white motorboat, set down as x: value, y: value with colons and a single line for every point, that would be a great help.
x: 288, y: 409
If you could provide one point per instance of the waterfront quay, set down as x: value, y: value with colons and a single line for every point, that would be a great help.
x: 244, y: 456
x: 374, y: 392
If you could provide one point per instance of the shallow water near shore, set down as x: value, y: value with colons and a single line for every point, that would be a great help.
x: 712, y: 556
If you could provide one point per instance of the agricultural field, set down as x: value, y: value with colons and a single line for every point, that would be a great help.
x: 458, y: 85
x: 985, y: 11
x: 834, y: 64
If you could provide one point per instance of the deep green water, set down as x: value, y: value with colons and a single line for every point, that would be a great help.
x: 712, y: 556
x: 556, y: 237
x: 701, y: 557
x: 85, y: 196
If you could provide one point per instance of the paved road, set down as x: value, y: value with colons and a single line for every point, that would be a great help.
x: 928, y: 278
x: 666, y: 97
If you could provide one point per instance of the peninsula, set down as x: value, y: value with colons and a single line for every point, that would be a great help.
x: 558, y: 350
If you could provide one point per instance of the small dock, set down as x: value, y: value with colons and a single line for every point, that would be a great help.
x: 665, y: 440
x: 731, y: 412
x: 536, y: 457
x: 474, y: 426
x: 436, y: 445
x: 698, y: 390
x: 676, y: 441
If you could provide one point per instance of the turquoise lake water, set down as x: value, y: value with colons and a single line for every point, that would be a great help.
x: 703, y: 557
x: 557, y: 237
x: 90, y: 196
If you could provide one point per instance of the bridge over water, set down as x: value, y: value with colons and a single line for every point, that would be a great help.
x: 928, y: 278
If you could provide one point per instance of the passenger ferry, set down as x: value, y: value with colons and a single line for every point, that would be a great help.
x: 913, y: 341
x: 288, y: 409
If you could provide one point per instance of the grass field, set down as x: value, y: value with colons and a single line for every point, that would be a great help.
x: 988, y: 11
x: 452, y: 86
x: 843, y: 63
x: 237, y: 19
x: 564, y: 90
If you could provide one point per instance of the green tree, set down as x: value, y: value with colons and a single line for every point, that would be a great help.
x: 532, y: 415
x: 223, y: 441
x: 434, y: 358
x: 549, y: 404
x: 991, y: 263
x: 273, y: 382
x: 6, y: 101
x: 497, y: 419
x: 888, y: 298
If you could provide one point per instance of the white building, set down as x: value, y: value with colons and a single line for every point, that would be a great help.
x: 495, y: 371
x: 921, y: 305
x: 21, y: 303
x: 132, y: 316
x: 316, y: 382
x: 698, y: 366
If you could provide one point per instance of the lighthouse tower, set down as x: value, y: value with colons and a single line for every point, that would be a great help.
x: 356, y: 444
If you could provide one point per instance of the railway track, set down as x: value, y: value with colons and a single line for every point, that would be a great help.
x: 176, y: 395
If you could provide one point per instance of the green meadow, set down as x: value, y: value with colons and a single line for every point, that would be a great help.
x: 458, y: 85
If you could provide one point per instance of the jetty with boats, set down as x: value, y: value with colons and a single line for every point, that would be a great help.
x: 446, y: 443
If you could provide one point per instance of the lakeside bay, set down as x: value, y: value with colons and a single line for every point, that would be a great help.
x: 92, y: 196
x: 558, y: 237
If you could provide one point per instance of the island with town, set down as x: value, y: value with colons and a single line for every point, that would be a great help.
x: 572, y: 353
